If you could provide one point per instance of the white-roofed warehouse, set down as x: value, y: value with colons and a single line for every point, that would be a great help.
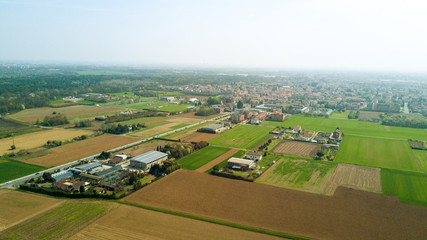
x: 146, y: 160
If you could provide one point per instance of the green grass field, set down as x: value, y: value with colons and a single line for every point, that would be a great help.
x: 408, y: 186
x: 238, y: 154
x: 243, y: 136
x: 59, y: 223
x: 376, y: 152
x: 12, y: 169
x: 340, y: 115
x: 421, y: 156
x: 352, y: 127
x: 139, y: 120
x: 201, y: 157
x: 303, y: 174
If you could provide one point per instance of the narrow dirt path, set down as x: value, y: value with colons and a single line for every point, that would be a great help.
x: 217, y: 160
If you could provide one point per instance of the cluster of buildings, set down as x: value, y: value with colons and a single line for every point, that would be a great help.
x: 256, y: 116
x: 246, y: 163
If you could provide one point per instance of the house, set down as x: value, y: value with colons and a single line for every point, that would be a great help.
x: 214, y: 128
x: 277, y: 116
x: 237, y: 117
x: 252, y: 155
x: 297, y: 128
x: 240, y: 163
x: 146, y: 160
x: 336, y: 134
x: 68, y: 186
x: 218, y: 108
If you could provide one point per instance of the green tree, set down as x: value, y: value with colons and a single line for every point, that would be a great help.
x: 240, y: 104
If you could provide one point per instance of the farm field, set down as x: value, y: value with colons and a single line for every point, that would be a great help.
x: 58, y: 223
x: 155, y: 104
x: 202, y: 157
x: 200, y: 136
x: 295, y: 148
x: 283, y: 210
x: 410, y: 187
x: 9, y: 126
x: 376, y: 152
x: 34, y: 114
x: 16, y: 206
x: 351, y: 127
x: 368, y: 116
x: 81, y: 149
x: 421, y: 158
x: 12, y: 169
x: 38, y: 139
x: 340, y: 115
x: 217, y: 160
x: 187, y: 132
x: 120, y: 224
x: 159, y: 127
x: 144, y: 147
x: 192, y: 115
x: 140, y: 120
x: 308, y: 175
x: 356, y: 177
x: 243, y: 136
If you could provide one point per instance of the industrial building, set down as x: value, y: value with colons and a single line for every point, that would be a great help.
x: 146, y: 160
x: 240, y: 163
x: 213, y: 128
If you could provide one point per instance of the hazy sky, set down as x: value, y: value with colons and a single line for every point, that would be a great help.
x: 330, y: 34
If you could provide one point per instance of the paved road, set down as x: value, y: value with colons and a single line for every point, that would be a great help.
x: 76, y: 162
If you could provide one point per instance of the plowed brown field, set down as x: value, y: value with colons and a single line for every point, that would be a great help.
x: 217, y: 160
x: 128, y: 222
x: 199, y: 136
x: 16, y: 207
x: 302, y: 149
x: 81, y: 149
x: 349, y: 214
x: 357, y: 177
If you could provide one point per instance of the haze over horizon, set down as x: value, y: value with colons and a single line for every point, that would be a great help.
x: 331, y: 34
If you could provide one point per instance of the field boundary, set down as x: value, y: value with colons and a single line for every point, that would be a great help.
x: 228, y: 224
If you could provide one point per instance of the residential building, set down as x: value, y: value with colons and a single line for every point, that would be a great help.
x: 237, y: 117
x: 253, y: 155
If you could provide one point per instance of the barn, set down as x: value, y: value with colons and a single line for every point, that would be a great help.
x: 240, y: 163
x: 146, y: 160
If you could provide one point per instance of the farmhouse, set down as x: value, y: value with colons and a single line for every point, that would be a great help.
x: 214, y: 128
x: 297, y: 128
x: 252, y: 155
x: 68, y: 186
x: 336, y: 134
x: 240, y: 163
x: 146, y: 160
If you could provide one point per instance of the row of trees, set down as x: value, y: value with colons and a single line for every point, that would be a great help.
x: 403, y: 121
x: 126, y: 117
x: 205, y: 111
x: 121, y: 129
x: 353, y: 115
x: 179, y: 150
x: 54, y: 120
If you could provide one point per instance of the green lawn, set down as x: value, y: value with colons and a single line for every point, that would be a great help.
x: 351, y: 127
x: 243, y: 136
x: 340, y: 115
x: 266, y: 160
x: 238, y: 154
x: 299, y: 173
x: 410, y: 187
x: 139, y: 120
x: 12, y: 169
x: 201, y: 157
x: 421, y: 156
x: 61, y: 222
x: 377, y: 152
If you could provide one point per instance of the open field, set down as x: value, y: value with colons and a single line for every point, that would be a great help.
x: 58, y: 223
x: 81, y: 149
x: 217, y: 160
x: 201, y: 157
x: 140, y: 120
x: 144, y: 147
x: 34, y: 114
x: 155, y: 104
x: 368, y: 116
x: 192, y: 115
x: 187, y: 132
x: 12, y: 169
x: 162, y: 126
x: 349, y: 214
x: 308, y: 175
x: 243, y: 136
x: 302, y: 149
x: 16, y: 207
x: 356, y: 177
x: 120, y: 224
x: 340, y: 115
x: 351, y: 127
x: 200, y: 136
x: 421, y: 158
x: 9, y: 126
x: 410, y: 187
x: 38, y: 139
x: 376, y: 152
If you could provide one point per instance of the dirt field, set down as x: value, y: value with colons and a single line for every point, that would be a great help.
x: 145, y: 147
x: 349, y: 214
x: 128, y: 222
x: 164, y: 128
x: 35, y: 114
x: 16, y: 207
x: 199, y: 136
x: 217, y: 160
x: 37, y: 139
x: 191, y: 115
x: 357, y: 177
x: 295, y: 148
x: 77, y: 150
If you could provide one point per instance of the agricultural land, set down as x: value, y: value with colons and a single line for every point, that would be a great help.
x: 410, y: 187
x: 308, y: 175
x: 202, y: 157
x: 295, y: 148
x: 282, y: 210
x: 243, y: 136
x: 9, y: 127
x: 12, y: 169
x: 162, y: 126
